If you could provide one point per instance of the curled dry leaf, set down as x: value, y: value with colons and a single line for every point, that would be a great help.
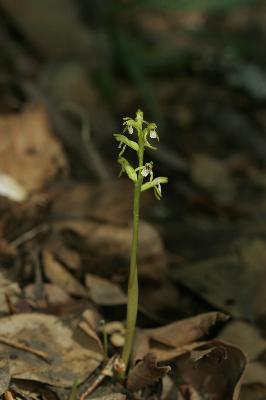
x: 4, y: 375
x: 176, y: 338
x: 72, y: 354
x: 215, y: 372
x: 104, y: 292
x: 146, y: 372
x: 58, y: 275
x: 29, y: 153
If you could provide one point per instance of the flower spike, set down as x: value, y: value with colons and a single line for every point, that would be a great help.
x: 142, y: 178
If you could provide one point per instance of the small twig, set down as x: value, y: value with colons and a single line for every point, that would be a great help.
x: 108, y: 370
x: 25, y: 347
x: 29, y: 235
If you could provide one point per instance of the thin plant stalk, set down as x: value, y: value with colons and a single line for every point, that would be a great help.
x: 133, y: 289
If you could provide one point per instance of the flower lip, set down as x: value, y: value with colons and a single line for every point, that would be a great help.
x: 153, y: 134
x: 130, y: 129
x: 145, y: 172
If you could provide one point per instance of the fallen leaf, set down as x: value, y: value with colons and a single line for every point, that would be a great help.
x: 171, y: 340
x: 72, y: 355
x: 29, y: 153
x: 4, y: 375
x: 145, y: 373
x: 215, y: 375
x: 104, y: 292
x: 58, y: 275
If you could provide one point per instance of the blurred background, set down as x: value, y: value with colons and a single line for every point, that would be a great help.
x: 197, y: 69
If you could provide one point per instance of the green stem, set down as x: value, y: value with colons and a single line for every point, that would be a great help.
x: 132, y: 305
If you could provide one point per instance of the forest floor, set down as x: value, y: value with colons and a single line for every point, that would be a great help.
x: 67, y: 77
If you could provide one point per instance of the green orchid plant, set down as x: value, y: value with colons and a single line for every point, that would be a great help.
x: 143, y: 179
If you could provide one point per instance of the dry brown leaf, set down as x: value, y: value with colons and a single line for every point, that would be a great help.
x: 171, y: 340
x: 58, y: 275
x: 71, y: 352
x: 4, y: 375
x: 29, y: 152
x: 145, y: 373
x: 217, y: 374
x: 104, y: 292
